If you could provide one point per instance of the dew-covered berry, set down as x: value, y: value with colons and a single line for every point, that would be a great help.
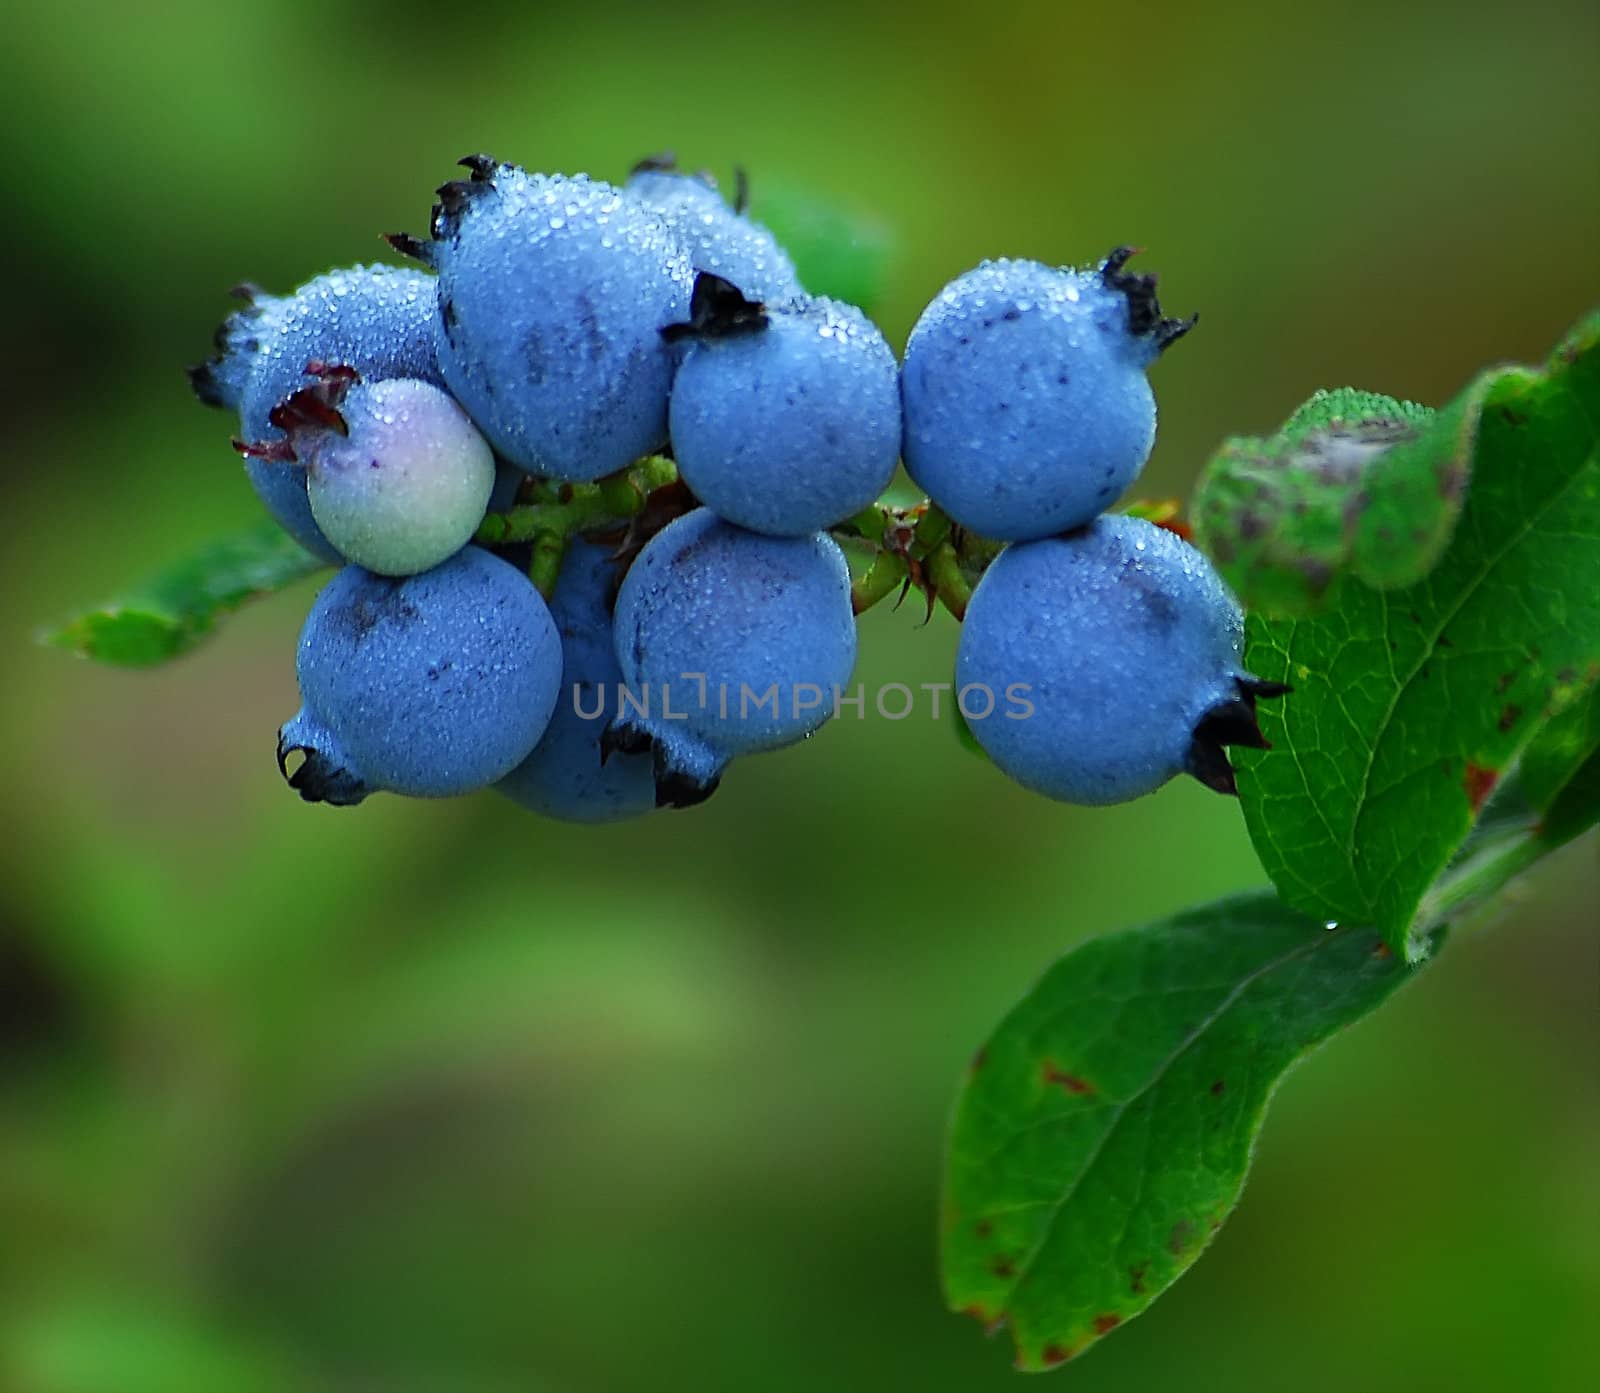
x: 720, y: 239
x: 784, y: 421
x: 398, y: 477
x: 1094, y: 667
x: 730, y: 643
x: 552, y: 293
x: 568, y: 776
x: 375, y: 319
x: 431, y: 685
x: 1027, y: 409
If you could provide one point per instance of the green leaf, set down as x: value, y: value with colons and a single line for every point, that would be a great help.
x: 1105, y: 1129
x: 1355, y: 483
x: 841, y: 253
x: 173, y: 611
x: 1410, y: 704
x: 1560, y: 772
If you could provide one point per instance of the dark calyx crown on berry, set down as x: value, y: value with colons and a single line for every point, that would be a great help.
x: 1144, y: 309
x: 662, y: 162
x: 454, y: 198
x: 319, y: 779
x: 1231, y: 722
x: 231, y: 336
x: 313, y: 408
x: 666, y: 162
x: 718, y: 310
x: 674, y: 788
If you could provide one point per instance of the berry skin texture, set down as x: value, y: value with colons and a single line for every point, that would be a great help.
x: 718, y: 239
x: 1127, y: 647
x: 375, y: 319
x: 791, y: 426
x: 552, y: 294
x: 708, y: 619
x: 429, y: 686
x: 1027, y: 411
x: 567, y: 776
x: 398, y: 477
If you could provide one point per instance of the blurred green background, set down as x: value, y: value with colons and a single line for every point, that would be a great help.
x: 440, y: 1097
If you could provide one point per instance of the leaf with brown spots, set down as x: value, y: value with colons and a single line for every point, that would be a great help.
x: 1069, y: 1212
x: 1285, y: 517
x: 1407, y: 701
x: 1070, y: 1082
x: 1479, y: 783
x: 1354, y: 484
x: 1560, y: 772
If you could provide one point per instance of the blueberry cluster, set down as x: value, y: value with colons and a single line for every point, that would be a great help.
x: 564, y: 329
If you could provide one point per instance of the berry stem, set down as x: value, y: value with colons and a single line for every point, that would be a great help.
x: 917, y: 544
x: 932, y: 528
x: 949, y: 582
x: 869, y: 524
x: 881, y: 579
x: 1482, y: 876
x: 567, y: 509
x: 545, y: 568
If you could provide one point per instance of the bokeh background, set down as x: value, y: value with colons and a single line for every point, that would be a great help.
x: 441, y: 1097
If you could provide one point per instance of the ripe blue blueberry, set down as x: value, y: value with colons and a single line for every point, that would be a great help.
x: 568, y: 776
x: 720, y: 239
x: 431, y: 685
x: 1027, y: 410
x: 375, y: 319
x: 1094, y: 667
x: 730, y: 643
x: 784, y: 421
x: 552, y: 294
x: 398, y: 477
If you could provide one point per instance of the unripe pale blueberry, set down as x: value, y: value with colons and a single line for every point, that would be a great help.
x: 1093, y: 667
x: 736, y: 642
x: 1027, y: 410
x: 784, y: 421
x: 375, y: 319
x: 397, y: 475
x: 568, y: 775
x: 552, y: 295
x: 720, y: 239
x: 431, y: 685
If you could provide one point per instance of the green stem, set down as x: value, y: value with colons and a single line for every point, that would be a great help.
x: 919, y: 541
x: 1481, y: 877
x: 871, y: 523
x: 567, y: 509
x: 950, y: 584
x: 881, y: 579
x: 933, y: 527
x: 545, y: 568
x: 975, y: 552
